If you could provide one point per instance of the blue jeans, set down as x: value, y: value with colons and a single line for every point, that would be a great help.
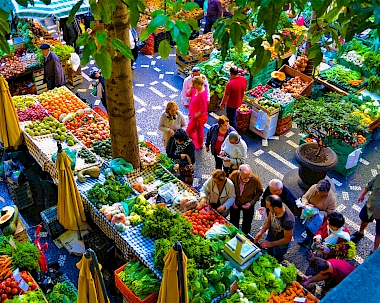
x: 277, y: 251
x: 231, y: 115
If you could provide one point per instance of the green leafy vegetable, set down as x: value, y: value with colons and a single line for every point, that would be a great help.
x: 139, y: 279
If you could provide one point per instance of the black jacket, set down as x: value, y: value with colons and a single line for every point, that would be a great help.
x: 170, y: 151
x: 286, y: 197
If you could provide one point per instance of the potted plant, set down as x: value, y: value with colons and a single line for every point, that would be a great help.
x: 328, y: 120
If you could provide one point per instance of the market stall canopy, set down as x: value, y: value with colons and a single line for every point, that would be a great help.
x: 58, y: 8
x: 10, y: 132
x: 70, y: 206
x: 91, y: 287
x: 174, y: 282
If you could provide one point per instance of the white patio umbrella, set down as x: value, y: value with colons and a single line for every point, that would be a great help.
x: 58, y: 8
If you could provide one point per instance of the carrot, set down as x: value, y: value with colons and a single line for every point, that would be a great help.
x: 275, y: 300
x: 270, y: 301
x: 294, y: 284
x: 298, y: 285
x: 299, y: 291
x: 8, y: 274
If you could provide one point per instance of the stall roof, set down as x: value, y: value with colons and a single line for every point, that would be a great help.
x: 58, y: 8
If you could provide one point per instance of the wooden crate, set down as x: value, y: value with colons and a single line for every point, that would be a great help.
x: 257, y: 107
x: 331, y: 87
x: 75, y: 80
x: 293, y: 73
x: 21, y: 235
x: 38, y: 72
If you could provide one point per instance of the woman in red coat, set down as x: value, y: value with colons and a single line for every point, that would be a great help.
x: 197, y: 111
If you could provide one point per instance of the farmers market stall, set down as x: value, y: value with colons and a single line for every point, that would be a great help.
x: 23, y: 68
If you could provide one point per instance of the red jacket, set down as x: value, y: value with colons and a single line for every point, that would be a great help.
x: 323, y: 231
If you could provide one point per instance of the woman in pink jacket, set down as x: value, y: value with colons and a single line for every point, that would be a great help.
x: 197, y: 111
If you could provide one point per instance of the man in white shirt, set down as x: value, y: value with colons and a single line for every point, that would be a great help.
x: 188, y: 82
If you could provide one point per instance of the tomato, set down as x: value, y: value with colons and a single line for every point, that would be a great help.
x: 7, y: 283
x: 2, y: 285
x: 202, y: 234
x: 34, y: 286
x: 14, y: 284
x: 4, y: 297
x: 8, y: 290
x: 14, y: 291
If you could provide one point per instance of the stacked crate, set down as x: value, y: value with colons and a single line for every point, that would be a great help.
x: 38, y: 79
x: 269, y: 123
x: 74, y: 77
x: 21, y: 194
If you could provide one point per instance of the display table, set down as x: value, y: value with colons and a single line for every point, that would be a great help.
x: 43, y: 147
x: 132, y: 242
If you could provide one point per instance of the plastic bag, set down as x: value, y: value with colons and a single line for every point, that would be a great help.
x: 75, y: 61
x: 72, y: 155
x: 121, y: 167
x: 314, y: 218
x: 12, y: 171
x: 168, y: 192
x: 309, y: 211
x: 216, y: 231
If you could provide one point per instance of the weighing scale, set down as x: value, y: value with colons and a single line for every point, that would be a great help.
x: 241, y: 252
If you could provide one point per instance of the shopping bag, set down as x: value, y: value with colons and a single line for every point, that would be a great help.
x: 314, y: 222
x: 94, y: 91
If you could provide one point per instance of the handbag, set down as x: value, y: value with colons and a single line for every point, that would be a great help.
x: 188, y: 169
x: 94, y: 91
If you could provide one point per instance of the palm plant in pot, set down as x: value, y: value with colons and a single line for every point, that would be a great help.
x: 328, y: 120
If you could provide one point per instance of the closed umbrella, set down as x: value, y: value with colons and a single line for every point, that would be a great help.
x: 174, y: 282
x: 70, y: 206
x: 10, y: 132
x: 91, y: 287
x: 58, y: 8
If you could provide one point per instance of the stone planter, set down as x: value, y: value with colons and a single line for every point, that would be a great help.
x: 310, y: 171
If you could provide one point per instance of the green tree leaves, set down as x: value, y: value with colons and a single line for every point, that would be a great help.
x: 122, y: 47
x: 104, y: 61
x: 164, y: 49
x: 73, y: 11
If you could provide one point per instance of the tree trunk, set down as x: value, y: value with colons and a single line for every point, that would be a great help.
x: 120, y: 102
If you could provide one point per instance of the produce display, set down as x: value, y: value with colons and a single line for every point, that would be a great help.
x: 279, y: 96
x: 23, y: 102
x: 11, y: 67
x: 301, y: 63
x: 81, y: 117
x: 294, y: 86
x: 147, y: 157
x: 62, y: 292
x: 101, y: 148
x: 47, y: 126
x: 343, y: 77
x: 217, y: 83
x: 371, y: 108
x: 139, y: 279
x: 33, y: 113
x: 60, y: 101
x: 112, y: 191
x: 296, y: 290
x: 89, y: 134
x: 202, y: 219
x: 258, y: 91
x: 86, y: 155
x: 202, y: 42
